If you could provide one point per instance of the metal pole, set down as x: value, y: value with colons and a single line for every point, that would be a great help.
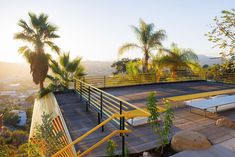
x: 75, y: 84
x: 120, y: 111
x: 98, y: 118
x: 101, y: 104
x: 104, y: 81
x: 101, y: 109
x: 80, y: 90
x: 89, y: 95
x: 123, y: 137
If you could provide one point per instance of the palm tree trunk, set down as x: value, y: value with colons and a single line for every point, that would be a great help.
x: 158, y: 76
x: 173, y: 75
x: 145, y: 66
x: 41, y: 85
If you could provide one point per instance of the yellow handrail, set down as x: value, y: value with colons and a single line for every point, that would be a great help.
x: 88, y: 133
x: 200, y: 95
x: 102, y: 141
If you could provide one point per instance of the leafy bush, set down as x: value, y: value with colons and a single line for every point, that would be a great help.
x: 162, y: 129
x: 47, y: 140
x: 10, y: 141
x: 11, y: 118
x: 110, y: 150
x: 19, y: 137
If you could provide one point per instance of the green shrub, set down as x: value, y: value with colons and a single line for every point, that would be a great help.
x: 164, y: 128
x: 19, y: 137
x: 44, y: 134
x: 110, y: 150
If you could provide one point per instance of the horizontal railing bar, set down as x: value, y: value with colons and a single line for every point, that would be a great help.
x: 116, y: 132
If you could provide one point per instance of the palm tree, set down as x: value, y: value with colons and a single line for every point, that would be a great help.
x: 39, y: 33
x: 178, y: 58
x: 148, y: 40
x: 65, y: 70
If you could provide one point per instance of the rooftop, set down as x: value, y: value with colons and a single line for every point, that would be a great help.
x: 142, y: 138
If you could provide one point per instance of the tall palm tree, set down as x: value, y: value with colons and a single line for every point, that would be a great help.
x: 148, y: 41
x: 39, y: 33
x: 178, y: 58
x: 65, y: 70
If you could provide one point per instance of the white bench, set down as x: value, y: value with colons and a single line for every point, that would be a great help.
x: 214, y: 102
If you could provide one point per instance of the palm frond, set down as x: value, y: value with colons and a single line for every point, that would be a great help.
x: 189, y: 55
x: 64, y: 59
x: 26, y: 52
x: 24, y: 37
x: 25, y: 26
x: 53, y: 46
x: 126, y: 47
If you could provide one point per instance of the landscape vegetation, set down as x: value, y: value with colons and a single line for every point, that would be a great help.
x: 53, y: 70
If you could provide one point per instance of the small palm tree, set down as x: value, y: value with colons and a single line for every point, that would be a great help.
x: 39, y: 33
x: 65, y: 70
x: 149, y: 40
x: 178, y: 58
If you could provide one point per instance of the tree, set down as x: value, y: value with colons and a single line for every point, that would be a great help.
x: 205, y: 66
x: 40, y: 34
x: 121, y: 65
x: 133, y: 68
x: 223, y: 31
x: 178, y: 59
x: 148, y: 41
x: 65, y: 70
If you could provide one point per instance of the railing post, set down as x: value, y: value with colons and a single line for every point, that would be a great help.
x: 120, y: 112
x: 89, y: 95
x: 98, y: 118
x: 104, y: 81
x: 101, y: 109
x: 75, y: 84
x: 123, y: 136
x: 81, y: 90
x: 122, y: 127
x: 101, y: 105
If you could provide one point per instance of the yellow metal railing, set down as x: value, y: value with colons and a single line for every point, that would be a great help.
x: 59, y: 153
x: 200, y: 95
x: 116, y: 132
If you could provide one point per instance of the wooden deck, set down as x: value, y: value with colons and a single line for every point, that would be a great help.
x: 142, y: 138
x: 79, y: 122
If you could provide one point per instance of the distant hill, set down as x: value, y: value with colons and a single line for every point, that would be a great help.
x: 17, y: 71
x: 14, y: 71
x: 98, y: 67
x: 203, y: 59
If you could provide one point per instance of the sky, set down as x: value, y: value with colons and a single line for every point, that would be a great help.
x: 95, y: 29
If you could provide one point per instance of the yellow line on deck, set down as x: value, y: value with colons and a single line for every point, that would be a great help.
x: 200, y: 95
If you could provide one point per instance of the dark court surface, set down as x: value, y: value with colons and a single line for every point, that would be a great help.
x: 138, y: 94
